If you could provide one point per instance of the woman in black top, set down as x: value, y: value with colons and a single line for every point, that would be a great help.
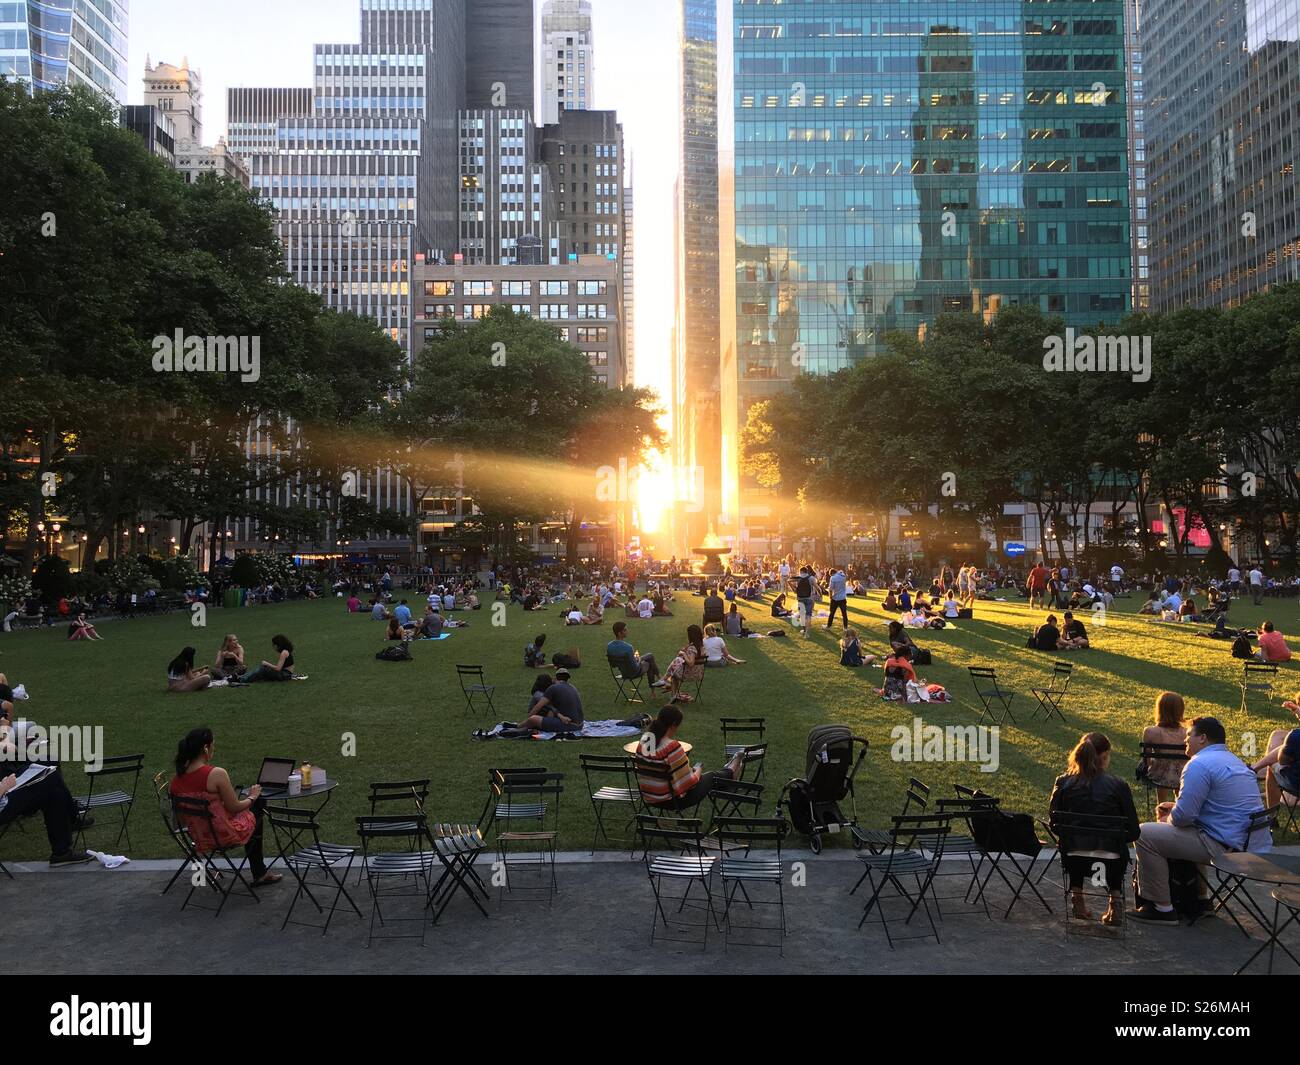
x: 280, y: 669
x: 1089, y: 788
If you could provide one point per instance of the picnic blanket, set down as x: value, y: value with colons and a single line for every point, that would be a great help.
x: 591, y: 730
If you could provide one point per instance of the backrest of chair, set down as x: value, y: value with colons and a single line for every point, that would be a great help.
x: 162, y: 790
x: 748, y: 833
x: 918, y: 795
x: 909, y: 831
x: 1061, y: 672
x: 742, y: 726
x: 728, y: 798
x: 473, y: 674
x: 616, y: 668
x: 391, y: 826
x: 754, y: 752
x: 680, y: 834
x: 413, y: 791
x: 607, y: 765
x: 1260, y: 821
x: 982, y: 672
x: 1107, y: 827
x: 118, y: 764
x: 1258, y: 674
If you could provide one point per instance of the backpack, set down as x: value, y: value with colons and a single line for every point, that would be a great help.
x: 1184, y: 889
x: 1241, y: 648
x: 398, y: 652
x: 922, y: 657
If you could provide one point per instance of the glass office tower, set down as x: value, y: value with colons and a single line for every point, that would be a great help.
x: 1222, y: 81
x: 895, y: 162
x: 47, y: 43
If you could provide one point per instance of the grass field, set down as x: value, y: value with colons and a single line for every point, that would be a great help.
x: 410, y: 721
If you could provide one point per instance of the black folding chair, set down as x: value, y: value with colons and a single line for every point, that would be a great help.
x: 618, y: 791
x: 127, y: 766
x: 1257, y: 677
x: 751, y: 856
x: 1091, y: 840
x: 991, y: 695
x: 906, y: 855
x: 686, y: 864
x: 1051, y: 697
x: 472, y: 684
x: 1231, y: 888
x: 1158, y: 752
x: 1290, y: 805
x: 297, y: 837
x: 498, y: 809
x: 163, y: 795
x: 1002, y: 839
x: 741, y: 733
x: 458, y: 848
x: 877, y: 839
x: 411, y: 869
x: 627, y: 689
x: 533, y: 797
x: 197, y: 826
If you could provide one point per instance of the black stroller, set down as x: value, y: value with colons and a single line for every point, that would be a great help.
x: 814, y: 799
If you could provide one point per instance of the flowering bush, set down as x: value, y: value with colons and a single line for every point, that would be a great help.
x: 15, y: 590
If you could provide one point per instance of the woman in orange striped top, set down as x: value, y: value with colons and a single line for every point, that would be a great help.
x: 686, y: 784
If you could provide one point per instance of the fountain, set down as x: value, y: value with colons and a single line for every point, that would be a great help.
x: 712, y: 552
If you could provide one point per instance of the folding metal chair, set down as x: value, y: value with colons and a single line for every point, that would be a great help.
x: 742, y: 867
x: 619, y: 792
x: 1257, y: 677
x: 458, y: 848
x: 627, y: 689
x: 905, y: 856
x: 1091, y: 840
x: 1165, y: 752
x: 124, y: 765
x: 381, y: 867
x: 196, y: 825
x: 473, y: 683
x: 687, y: 864
x: 877, y: 839
x: 740, y: 733
x: 497, y: 809
x: 1051, y: 697
x: 297, y: 837
x: 1290, y: 806
x: 1284, y: 898
x: 1001, y: 839
x: 530, y: 797
x: 991, y: 694
x: 1230, y: 888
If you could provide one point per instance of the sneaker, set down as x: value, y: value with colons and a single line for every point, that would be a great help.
x: 1153, y: 916
x: 20, y: 692
x: 71, y: 858
x: 85, y: 821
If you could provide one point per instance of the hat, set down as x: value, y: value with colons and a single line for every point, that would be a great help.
x: 562, y: 672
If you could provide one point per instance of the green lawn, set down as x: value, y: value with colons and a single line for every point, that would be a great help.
x: 410, y: 720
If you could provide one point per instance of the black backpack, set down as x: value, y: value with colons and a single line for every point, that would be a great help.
x: 1184, y: 889
x: 1241, y: 648
x: 398, y: 652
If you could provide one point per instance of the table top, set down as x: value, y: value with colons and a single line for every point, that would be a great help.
x: 306, y: 793
x: 1269, y: 869
x: 635, y: 745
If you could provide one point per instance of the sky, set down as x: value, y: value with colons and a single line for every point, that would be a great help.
x: 269, y: 43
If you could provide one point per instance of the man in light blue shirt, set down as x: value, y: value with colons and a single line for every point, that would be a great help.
x: 1218, y: 795
x: 839, y: 586
x: 402, y: 613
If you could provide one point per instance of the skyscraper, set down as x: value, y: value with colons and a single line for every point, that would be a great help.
x: 57, y: 42
x: 1221, y: 83
x: 505, y: 190
x: 499, y: 54
x: 584, y: 151
x: 568, y: 59
x: 177, y: 91
x: 697, y: 423
x: 895, y: 162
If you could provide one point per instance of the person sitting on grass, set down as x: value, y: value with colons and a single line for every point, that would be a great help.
x: 734, y: 624
x: 1168, y: 731
x: 1281, y: 766
x: 230, y: 658
x: 534, y: 653
x: 851, y: 651
x: 431, y: 625
x: 81, y: 629
x: 688, y: 665
x: 559, y: 709
x: 779, y: 609
x: 595, y: 612
x: 1074, y: 637
x: 1088, y: 787
x: 951, y: 608
x: 1048, y: 636
x: 715, y: 649
x: 236, y: 821
x: 183, y: 677
x: 900, y: 637
x: 1272, y: 645
x: 396, y: 631
x: 280, y: 669
x: 687, y: 785
x: 630, y: 663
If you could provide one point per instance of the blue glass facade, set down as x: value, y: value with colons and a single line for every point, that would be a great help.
x: 895, y: 161
x: 48, y: 43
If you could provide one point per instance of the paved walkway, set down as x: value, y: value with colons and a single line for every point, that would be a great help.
x: 95, y: 921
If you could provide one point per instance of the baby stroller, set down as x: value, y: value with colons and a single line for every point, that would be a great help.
x: 814, y: 799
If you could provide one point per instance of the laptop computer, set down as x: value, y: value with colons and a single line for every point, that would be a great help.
x: 274, y: 777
